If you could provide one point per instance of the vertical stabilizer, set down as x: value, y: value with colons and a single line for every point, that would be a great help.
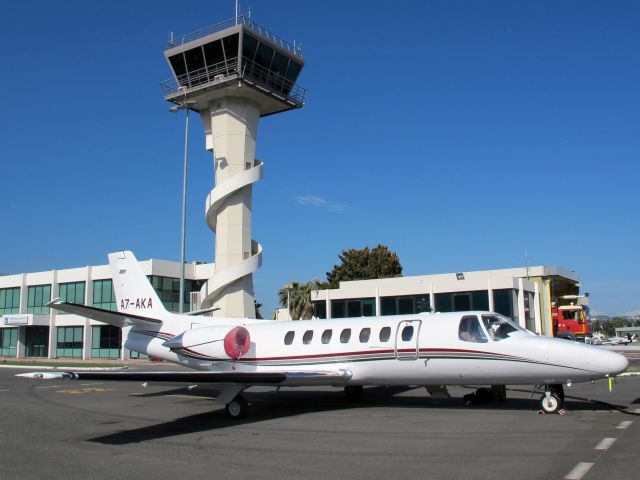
x: 134, y: 293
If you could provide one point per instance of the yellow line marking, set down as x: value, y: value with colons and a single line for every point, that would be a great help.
x: 79, y: 391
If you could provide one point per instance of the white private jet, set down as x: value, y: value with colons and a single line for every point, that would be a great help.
x: 430, y: 349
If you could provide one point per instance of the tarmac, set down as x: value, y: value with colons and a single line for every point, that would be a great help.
x: 54, y: 429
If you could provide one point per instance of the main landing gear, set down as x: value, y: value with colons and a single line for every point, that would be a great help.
x: 353, y: 392
x: 553, y: 398
x: 237, y: 408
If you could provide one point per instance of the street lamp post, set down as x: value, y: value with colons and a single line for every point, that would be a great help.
x: 183, y: 106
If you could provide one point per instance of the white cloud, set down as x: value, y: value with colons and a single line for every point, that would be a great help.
x: 319, y: 202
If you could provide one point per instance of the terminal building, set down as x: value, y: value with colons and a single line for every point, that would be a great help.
x: 29, y: 329
x: 523, y: 294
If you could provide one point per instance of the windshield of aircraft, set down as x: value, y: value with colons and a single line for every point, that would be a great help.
x: 500, y: 327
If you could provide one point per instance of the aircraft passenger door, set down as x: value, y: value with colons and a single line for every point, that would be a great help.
x: 407, y: 335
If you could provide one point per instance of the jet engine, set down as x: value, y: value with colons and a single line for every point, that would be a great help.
x: 223, y: 342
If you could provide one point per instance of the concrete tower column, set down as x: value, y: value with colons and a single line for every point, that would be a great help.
x: 231, y: 126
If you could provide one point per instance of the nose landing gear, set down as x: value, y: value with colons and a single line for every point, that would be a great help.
x: 553, y: 399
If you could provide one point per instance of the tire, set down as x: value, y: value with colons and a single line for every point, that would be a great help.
x: 550, y: 404
x: 237, y: 408
x: 353, y: 391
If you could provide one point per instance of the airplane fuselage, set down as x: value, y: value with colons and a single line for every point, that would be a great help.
x: 420, y: 349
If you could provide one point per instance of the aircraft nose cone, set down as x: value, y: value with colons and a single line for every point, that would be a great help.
x: 610, y: 363
x: 618, y: 364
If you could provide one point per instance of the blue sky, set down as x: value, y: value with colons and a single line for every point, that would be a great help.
x: 459, y: 133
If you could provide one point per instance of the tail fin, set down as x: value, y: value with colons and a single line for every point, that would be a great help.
x: 134, y: 293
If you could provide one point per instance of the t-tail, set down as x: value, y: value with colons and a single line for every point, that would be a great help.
x: 134, y: 293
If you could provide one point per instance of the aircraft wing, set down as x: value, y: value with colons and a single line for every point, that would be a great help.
x: 294, y: 379
x: 109, y: 317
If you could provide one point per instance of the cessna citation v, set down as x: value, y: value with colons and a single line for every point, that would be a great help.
x: 430, y: 349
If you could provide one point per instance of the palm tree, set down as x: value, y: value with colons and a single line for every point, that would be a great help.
x: 297, y: 296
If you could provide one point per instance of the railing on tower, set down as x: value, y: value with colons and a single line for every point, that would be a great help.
x: 240, y: 20
x: 225, y: 71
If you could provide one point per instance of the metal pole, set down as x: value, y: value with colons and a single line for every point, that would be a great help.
x: 184, y: 208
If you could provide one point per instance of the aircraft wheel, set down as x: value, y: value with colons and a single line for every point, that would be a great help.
x: 353, y: 391
x: 550, y: 404
x: 237, y: 408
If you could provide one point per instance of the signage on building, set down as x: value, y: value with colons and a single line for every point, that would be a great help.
x: 16, y: 319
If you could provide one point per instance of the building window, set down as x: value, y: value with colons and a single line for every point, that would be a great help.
x: 405, y: 305
x: 8, y: 342
x: 168, y: 289
x: 9, y: 300
x: 288, y: 338
x: 502, y: 302
x: 69, y: 342
x: 38, y: 297
x: 105, y: 341
x: 138, y: 356
x: 36, y: 341
x: 72, y: 292
x: 103, y: 295
x: 388, y: 306
x: 462, y: 301
x: 354, y: 308
x: 326, y: 336
x: 337, y: 309
x: 320, y: 309
x: 369, y: 307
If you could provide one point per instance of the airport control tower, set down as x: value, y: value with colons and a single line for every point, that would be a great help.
x: 233, y: 73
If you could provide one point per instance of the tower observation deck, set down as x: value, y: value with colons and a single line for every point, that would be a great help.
x: 232, y: 74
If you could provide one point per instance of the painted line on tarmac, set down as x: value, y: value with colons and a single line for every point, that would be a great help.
x: 4, y: 390
x: 605, y: 443
x: 578, y: 471
x: 626, y: 423
x: 87, y: 384
x: 190, y: 396
x: 49, y: 386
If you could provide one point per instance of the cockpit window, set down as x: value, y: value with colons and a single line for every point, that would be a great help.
x: 470, y: 330
x: 500, y: 327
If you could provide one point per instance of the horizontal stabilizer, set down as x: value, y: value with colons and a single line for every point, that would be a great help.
x: 117, y: 319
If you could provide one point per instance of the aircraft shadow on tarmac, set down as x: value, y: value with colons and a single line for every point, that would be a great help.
x: 289, y: 403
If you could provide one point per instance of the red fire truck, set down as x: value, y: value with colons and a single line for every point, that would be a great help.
x: 570, y: 321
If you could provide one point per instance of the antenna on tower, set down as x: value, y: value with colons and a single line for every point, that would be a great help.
x: 526, y: 263
x: 237, y: 6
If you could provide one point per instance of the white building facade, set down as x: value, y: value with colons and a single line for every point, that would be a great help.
x: 523, y: 294
x: 29, y: 329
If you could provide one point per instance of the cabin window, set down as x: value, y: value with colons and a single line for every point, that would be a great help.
x: 385, y: 334
x: 470, y: 330
x: 345, y: 335
x: 288, y: 338
x: 407, y: 333
x: 365, y: 333
x: 326, y: 336
x: 307, y: 337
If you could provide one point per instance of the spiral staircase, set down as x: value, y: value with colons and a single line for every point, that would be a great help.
x: 213, y: 288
